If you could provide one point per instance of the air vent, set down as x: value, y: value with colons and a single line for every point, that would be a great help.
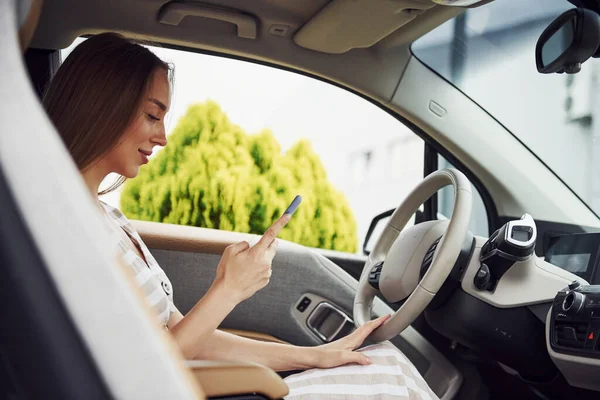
x: 428, y: 259
x: 571, y: 335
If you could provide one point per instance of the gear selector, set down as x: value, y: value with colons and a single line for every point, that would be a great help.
x: 514, y: 241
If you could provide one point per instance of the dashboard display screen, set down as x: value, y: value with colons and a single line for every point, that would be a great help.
x: 521, y: 235
x: 576, y: 253
x: 575, y: 263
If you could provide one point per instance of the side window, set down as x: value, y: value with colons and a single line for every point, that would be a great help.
x: 244, y: 139
x: 445, y: 202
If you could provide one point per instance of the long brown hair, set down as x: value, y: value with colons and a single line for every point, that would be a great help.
x: 96, y: 94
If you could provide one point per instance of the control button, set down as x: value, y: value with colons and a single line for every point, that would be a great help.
x: 303, y: 304
x: 428, y: 258
x: 574, y: 285
x: 570, y: 333
x: 482, y: 279
x: 573, y: 302
x: 592, y: 302
x: 374, y: 279
x: 589, y: 342
x: 377, y: 267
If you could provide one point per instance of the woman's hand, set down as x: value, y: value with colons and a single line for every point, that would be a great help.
x: 244, y: 270
x: 341, y: 351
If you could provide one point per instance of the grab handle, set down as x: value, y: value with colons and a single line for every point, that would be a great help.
x: 174, y: 13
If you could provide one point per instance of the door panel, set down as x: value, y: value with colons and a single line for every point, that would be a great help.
x: 296, y: 271
x: 190, y: 256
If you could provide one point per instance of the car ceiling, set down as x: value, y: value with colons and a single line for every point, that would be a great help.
x: 328, y: 39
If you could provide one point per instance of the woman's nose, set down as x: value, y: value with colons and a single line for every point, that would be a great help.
x: 161, y: 139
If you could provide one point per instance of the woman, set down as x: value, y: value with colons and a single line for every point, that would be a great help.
x: 108, y: 100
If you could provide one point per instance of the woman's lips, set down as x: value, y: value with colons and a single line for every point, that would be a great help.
x: 144, y: 157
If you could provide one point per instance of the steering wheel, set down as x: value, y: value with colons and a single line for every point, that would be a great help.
x: 393, y: 267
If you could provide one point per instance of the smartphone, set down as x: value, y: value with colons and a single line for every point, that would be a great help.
x: 293, y: 205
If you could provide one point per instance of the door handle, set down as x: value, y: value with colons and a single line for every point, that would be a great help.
x: 329, y: 322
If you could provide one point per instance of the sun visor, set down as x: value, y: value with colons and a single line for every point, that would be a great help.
x: 343, y: 25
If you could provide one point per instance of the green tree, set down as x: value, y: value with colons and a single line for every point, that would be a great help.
x: 214, y: 175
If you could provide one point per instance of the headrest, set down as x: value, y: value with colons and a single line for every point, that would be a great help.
x: 28, y: 12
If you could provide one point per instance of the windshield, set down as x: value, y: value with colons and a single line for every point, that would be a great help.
x: 489, y: 54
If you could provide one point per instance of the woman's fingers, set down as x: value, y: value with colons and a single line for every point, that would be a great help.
x: 237, y: 248
x: 355, y: 357
x: 269, y: 236
x: 249, y: 271
x: 381, y: 320
x: 271, y: 250
x: 364, y: 331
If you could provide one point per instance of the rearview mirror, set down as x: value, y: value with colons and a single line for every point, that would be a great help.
x: 568, y: 41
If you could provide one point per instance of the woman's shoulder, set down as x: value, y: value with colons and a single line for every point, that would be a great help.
x: 115, y: 213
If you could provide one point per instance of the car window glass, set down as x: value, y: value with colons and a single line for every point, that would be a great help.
x: 488, y: 53
x: 244, y: 139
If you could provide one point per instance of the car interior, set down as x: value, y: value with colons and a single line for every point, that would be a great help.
x: 480, y: 316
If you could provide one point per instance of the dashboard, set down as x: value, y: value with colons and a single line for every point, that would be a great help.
x: 510, y: 305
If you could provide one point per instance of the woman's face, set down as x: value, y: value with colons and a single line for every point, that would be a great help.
x: 145, y: 132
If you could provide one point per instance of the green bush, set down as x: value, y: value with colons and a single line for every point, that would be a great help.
x: 214, y: 175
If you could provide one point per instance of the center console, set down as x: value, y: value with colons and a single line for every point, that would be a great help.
x: 575, y: 321
x: 572, y: 332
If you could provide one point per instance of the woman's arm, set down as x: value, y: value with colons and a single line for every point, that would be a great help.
x: 241, y: 272
x: 225, y: 346
x: 201, y: 321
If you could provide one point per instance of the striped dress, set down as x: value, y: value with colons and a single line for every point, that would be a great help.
x: 152, y: 280
x: 390, y: 376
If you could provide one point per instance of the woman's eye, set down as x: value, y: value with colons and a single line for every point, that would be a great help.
x: 152, y: 117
